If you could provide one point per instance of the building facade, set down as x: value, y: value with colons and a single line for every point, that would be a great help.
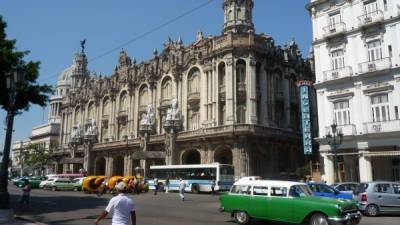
x: 230, y: 98
x: 357, y: 56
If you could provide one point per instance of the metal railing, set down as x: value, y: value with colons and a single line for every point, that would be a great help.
x: 381, y: 127
x: 346, y: 130
x: 338, y: 73
x: 334, y: 29
x: 377, y: 65
x: 371, y: 18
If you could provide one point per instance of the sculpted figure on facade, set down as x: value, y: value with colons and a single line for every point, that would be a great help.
x: 76, y: 132
x: 92, y: 129
x: 173, y: 112
x: 148, y: 117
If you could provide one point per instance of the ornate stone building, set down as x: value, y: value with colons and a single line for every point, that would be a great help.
x: 230, y: 98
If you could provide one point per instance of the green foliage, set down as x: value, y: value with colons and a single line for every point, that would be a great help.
x: 28, y: 91
x: 303, y: 172
x: 38, y: 156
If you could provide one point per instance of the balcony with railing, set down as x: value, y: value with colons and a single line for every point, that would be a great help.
x: 194, y: 98
x: 371, y: 18
x: 346, y: 130
x: 375, y: 66
x: 333, y: 30
x: 338, y: 73
x: 382, y: 127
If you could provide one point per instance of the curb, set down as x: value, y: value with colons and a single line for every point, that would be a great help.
x: 28, y: 220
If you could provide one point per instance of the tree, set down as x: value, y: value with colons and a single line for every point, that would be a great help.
x: 24, y: 93
x: 39, y: 157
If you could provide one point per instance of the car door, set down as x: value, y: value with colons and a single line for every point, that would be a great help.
x: 280, y: 207
x: 259, y: 202
x: 396, y: 195
x: 383, y: 195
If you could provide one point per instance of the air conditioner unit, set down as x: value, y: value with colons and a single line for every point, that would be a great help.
x: 371, y: 67
x: 368, y: 19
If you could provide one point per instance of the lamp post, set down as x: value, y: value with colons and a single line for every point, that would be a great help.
x: 12, y: 81
x: 335, y: 140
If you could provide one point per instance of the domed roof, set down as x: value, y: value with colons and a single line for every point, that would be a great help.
x: 65, y: 76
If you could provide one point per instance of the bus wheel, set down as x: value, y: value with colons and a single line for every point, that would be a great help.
x: 195, y: 188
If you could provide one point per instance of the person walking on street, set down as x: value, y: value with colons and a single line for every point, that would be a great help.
x: 121, y: 206
x: 167, y: 185
x: 155, y: 186
x: 213, y: 187
x: 135, y: 186
x: 182, y: 186
x: 26, y: 193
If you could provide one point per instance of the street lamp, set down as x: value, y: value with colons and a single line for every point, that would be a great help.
x: 12, y: 81
x: 335, y: 140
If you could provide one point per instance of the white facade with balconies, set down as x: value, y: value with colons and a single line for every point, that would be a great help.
x: 357, y: 57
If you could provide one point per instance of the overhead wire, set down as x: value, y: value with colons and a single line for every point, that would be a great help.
x: 139, y: 37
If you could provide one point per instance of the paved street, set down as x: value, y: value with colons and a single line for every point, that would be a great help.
x: 72, y: 208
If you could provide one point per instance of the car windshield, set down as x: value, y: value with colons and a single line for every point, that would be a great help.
x: 300, y: 191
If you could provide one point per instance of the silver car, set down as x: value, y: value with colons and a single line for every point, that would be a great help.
x: 378, y: 197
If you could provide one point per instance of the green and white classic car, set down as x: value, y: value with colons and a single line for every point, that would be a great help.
x: 284, y: 201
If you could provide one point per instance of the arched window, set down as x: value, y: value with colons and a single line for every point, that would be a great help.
x: 241, y: 114
x: 194, y: 81
x: 221, y: 73
x: 241, y: 71
x: 77, y: 116
x: 144, y: 96
x: 106, y: 107
x: 91, y: 111
x: 166, y: 89
x: 230, y: 15
x: 123, y: 102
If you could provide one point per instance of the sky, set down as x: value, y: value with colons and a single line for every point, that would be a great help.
x: 52, y: 30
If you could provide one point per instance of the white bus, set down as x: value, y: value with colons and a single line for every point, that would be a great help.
x: 198, y: 178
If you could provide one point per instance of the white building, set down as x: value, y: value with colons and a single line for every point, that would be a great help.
x: 356, y: 47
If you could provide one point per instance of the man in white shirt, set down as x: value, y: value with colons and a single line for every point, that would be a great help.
x: 121, y: 206
x: 182, y: 186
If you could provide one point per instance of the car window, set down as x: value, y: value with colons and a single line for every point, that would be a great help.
x: 382, y: 188
x: 326, y: 189
x: 300, y: 191
x: 263, y: 191
x: 313, y: 187
x: 279, y: 191
x: 361, y: 188
x: 396, y: 188
x: 241, y: 189
x: 341, y: 187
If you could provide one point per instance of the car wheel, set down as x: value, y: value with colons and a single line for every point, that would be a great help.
x: 319, y: 219
x: 160, y: 186
x: 54, y: 189
x: 372, y: 210
x: 195, y: 188
x: 241, y: 217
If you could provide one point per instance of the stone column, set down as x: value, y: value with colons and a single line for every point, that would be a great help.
x: 203, y: 97
x: 329, y: 176
x: 286, y: 94
x: 88, y: 159
x: 264, y: 97
x: 229, y: 90
x: 251, y: 91
x: 365, y: 168
x: 109, y: 166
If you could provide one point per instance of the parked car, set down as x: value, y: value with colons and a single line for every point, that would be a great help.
x: 324, y: 190
x: 33, y: 181
x: 347, y: 187
x: 284, y: 201
x: 60, y: 184
x: 378, y: 197
x: 78, y: 183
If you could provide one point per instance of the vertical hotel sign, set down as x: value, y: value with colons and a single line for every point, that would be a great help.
x: 304, y: 86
